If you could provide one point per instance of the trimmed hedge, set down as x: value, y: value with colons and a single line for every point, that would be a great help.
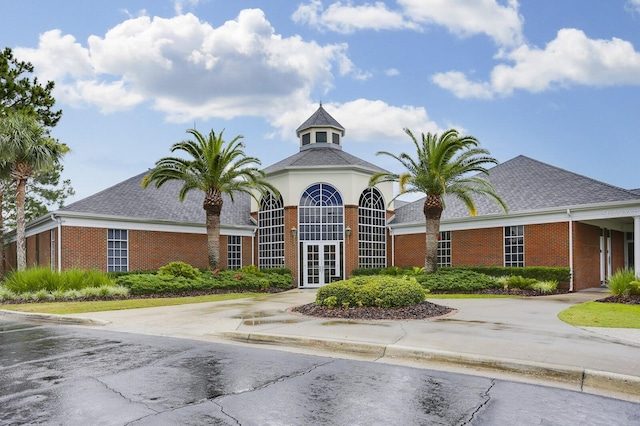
x: 216, y: 280
x: 457, y: 280
x: 540, y: 273
x: 381, y: 291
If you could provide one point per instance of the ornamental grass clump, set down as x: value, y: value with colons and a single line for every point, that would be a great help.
x: 36, y: 279
x: 376, y: 291
x: 620, y: 282
x: 545, y: 286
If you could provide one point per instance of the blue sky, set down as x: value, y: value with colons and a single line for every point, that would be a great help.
x: 555, y: 80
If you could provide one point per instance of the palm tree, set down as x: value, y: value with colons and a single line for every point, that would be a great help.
x: 215, y: 169
x: 27, y: 146
x: 444, y: 165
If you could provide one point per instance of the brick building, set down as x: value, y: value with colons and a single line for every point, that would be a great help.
x: 327, y: 222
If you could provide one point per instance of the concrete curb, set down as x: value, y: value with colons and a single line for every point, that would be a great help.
x: 585, y: 380
x: 50, y: 318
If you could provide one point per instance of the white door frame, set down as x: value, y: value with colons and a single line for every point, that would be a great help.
x: 323, y: 263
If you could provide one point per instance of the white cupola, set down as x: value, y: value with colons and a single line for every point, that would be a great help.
x: 320, y: 130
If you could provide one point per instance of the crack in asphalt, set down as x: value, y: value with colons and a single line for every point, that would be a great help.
x: 486, y: 397
x: 264, y: 386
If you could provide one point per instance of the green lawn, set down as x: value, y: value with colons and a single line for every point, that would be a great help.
x: 63, y: 308
x: 596, y: 314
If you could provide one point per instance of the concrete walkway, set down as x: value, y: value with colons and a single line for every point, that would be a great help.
x: 514, y: 339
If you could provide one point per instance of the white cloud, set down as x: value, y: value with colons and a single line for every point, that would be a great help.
x: 346, y: 18
x: 189, y: 70
x: 366, y: 120
x: 570, y: 59
x: 392, y: 72
x: 178, y: 5
x: 465, y: 18
x: 457, y: 83
x: 502, y: 23
x: 632, y: 6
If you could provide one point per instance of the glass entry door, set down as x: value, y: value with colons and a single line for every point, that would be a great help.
x: 321, y: 263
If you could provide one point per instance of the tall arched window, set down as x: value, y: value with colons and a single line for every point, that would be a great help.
x: 271, y: 232
x: 321, y: 214
x: 321, y: 235
x: 372, y: 230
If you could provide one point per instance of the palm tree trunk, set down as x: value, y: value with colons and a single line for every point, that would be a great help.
x: 21, y: 242
x: 213, y: 239
x: 432, y: 213
x: 213, y: 207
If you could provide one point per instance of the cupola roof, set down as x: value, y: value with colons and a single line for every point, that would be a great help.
x: 320, y: 118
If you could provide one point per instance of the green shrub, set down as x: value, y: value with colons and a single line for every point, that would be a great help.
x: 365, y: 272
x: 250, y: 269
x: 620, y: 282
x: 454, y: 280
x: 634, y: 288
x: 382, y: 291
x: 179, y: 269
x: 277, y: 271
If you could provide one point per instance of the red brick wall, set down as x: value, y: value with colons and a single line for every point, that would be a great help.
x: 290, y: 243
x: 546, y: 244
x: 148, y: 250
x: 246, y: 251
x: 478, y: 247
x: 351, y: 242
x: 10, y: 257
x: 586, y: 256
x: 84, y: 248
x: 151, y: 250
x: 617, y: 251
x: 409, y: 250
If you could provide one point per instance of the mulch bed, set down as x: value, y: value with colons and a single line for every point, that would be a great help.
x: 630, y: 300
x: 422, y: 311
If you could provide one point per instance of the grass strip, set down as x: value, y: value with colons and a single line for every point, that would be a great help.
x: 471, y: 296
x: 596, y: 314
x: 64, y: 308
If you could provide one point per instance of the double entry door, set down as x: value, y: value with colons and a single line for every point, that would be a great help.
x: 321, y: 263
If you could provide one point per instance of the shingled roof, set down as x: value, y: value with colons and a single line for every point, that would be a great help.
x: 320, y: 118
x: 526, y: 184
x: 128, y: 199
x: 322, y: 156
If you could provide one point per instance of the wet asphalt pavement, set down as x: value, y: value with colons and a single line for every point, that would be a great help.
x: 72, y: 376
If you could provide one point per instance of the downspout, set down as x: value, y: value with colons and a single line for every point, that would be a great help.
x: 253, y: 247
x: 59, y: 242
x: 570, y: 250
x: 393, y: 248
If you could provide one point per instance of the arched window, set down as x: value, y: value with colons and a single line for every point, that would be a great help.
x: 271, y: 232
x: 372, y: 230
x: 321, y: 214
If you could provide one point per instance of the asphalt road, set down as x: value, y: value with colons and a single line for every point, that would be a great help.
x: 71, y: 376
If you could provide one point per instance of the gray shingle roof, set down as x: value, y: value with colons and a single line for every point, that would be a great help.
x: 320, y: 118
x: 128, y: 199
x: 526, y: 184
x: 322, y: 156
